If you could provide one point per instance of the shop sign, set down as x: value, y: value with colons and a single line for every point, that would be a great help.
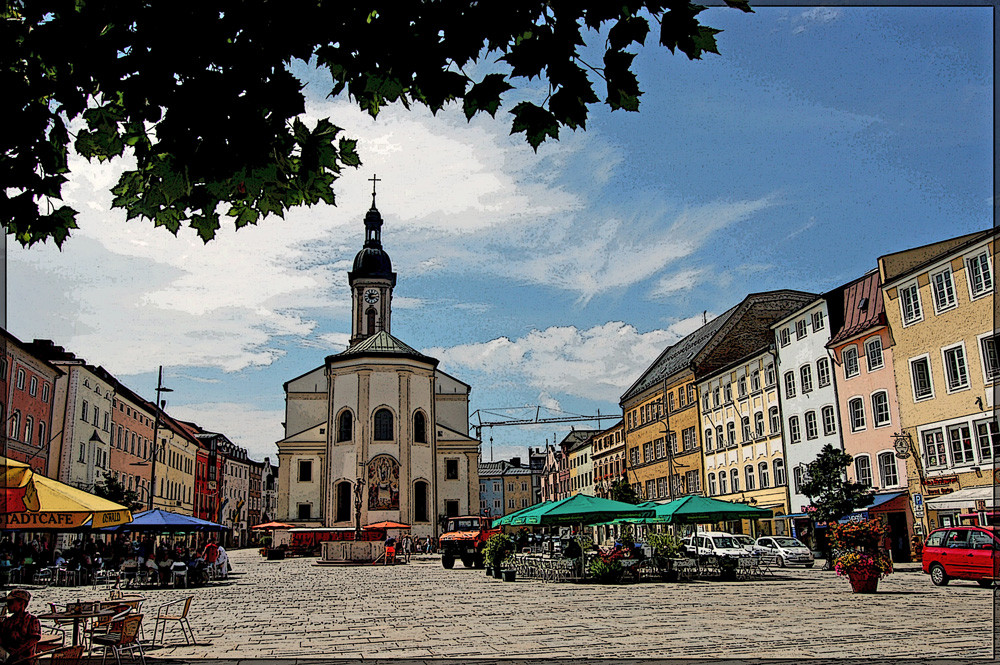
x: 980, y: 505
x: 940, y: 480
x: 939, y: 490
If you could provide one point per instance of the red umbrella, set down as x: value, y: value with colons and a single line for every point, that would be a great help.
x: 273, y: 525
x: 387, y: 525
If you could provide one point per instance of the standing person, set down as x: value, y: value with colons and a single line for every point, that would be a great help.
x: 222, y: 562
x: 211, y: 554
x: 20, y: 630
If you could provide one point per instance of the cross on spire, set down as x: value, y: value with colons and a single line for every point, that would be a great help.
x: 374, y: 179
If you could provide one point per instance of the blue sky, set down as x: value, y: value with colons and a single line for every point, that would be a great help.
x: 820, y: 139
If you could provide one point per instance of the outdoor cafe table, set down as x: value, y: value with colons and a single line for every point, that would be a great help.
x: 77, y: 616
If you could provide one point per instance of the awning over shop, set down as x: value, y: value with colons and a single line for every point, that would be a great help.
x: 963, y: 498
x: 882, y: 498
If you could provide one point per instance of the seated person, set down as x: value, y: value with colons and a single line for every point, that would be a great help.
x: 20, y: 630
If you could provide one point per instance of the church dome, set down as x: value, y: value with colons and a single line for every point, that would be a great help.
x: 372, y: 262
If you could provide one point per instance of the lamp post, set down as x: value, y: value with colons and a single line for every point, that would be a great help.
x: 156, y: 429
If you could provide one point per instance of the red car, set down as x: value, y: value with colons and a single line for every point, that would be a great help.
x: 962, y: 553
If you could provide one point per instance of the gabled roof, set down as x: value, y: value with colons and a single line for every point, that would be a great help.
x: 703, y: 345
x: 899, y: 264
x: 578, y: 438
x: 382, y: 344
x: 677, y: 356
x: 862, y: 307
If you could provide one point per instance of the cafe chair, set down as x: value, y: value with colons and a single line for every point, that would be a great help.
x: 179, y: 574
x: 123, y: 636
x: 64, y: 656
x: 167, y: 613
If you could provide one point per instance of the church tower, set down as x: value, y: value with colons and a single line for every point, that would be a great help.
x: 371, y: 281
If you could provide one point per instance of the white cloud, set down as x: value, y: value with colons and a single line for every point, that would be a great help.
x: 254, y: 429
x: 598, y: 363
x: 680, y: 281
x: 815, y: 16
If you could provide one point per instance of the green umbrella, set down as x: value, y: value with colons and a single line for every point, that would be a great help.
x: 509, y: 517
x: 702, y: 509
x: 584, y: 509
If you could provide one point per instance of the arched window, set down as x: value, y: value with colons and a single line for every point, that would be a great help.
x: 748, y: 476
x: 15, y: 424
x: 887, y: 470
x: 383, y: 425
x: 772, y: 415
x: 731, y: 433
x: 722, y: 483
x: 344, y: 424
x: 745, y: 424
x: 41, y: 433
x: 708, y: 439
x: 29, y: 429
x: 370, y: 321
x: 343, y: 501
x: 711, y: 484
x: 420, y: 502
x: 734, y: 478
x: 758, y: 423
x: 779, y: 472
x: 419, y: 427
x: 765, y: 481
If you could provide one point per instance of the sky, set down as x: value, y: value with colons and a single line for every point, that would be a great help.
x: 820, y: 139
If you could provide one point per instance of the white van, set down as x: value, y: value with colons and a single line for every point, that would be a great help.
x: 713, y: 543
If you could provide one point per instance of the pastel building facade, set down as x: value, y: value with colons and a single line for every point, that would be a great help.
x: 939, y: 302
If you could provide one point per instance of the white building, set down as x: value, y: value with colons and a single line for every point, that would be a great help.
x: 808, y: 395
x: 378, y: 425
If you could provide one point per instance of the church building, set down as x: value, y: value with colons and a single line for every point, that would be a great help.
x: 378, y: 431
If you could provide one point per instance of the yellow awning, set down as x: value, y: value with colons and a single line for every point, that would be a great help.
x: 32, y: 501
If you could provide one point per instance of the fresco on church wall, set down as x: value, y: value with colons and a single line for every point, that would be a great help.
x: 383, y: 483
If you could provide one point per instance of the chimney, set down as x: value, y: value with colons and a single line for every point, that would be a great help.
x: 515, y: 462
x: 704, y: 317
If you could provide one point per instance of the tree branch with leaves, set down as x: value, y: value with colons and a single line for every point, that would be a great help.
x: 201, y: 94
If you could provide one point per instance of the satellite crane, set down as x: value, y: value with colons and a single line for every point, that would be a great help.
x: 510, y: 420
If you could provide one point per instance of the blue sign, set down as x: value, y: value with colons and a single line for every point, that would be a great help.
x: 918, y: 499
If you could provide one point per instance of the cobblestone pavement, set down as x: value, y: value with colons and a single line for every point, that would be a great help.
x: 295, y: 609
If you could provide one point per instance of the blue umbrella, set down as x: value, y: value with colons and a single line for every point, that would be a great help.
x: 164, y: 521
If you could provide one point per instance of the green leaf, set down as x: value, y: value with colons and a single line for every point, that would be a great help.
x: 742, y: 5
x: 485, y: 95
x: 536, y: 123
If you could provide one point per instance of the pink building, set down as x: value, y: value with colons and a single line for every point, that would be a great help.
x: 861, y: 348
x: 26, y: 402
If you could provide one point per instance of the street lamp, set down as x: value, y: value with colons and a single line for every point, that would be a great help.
x: 156, y: 429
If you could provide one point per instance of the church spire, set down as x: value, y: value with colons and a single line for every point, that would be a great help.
x: 371, y: 280
x: 373, y: 221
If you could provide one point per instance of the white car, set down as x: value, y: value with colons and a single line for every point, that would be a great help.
x: 789, y: 551
x: 745, y: 541
x: 713, y: 543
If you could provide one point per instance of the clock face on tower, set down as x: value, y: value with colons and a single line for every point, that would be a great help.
x: 371, y: 296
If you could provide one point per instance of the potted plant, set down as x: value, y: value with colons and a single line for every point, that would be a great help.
x: 606, y: 568
x: 507, y: 570
x: 865, y: 561
x: 665, y: 546
x: 496, y: 550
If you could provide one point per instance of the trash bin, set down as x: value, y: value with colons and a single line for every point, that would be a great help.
x: 275, y: 554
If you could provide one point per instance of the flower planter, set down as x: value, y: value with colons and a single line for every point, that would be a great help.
x: 497, y: 573
x: 489, y: 571
x: 863, y: 582
x: 509, y: 575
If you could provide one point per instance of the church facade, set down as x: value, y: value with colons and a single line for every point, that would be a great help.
x: 378, y: 432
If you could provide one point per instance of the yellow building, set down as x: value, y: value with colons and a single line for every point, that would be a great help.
x: 173, y: 482
x: 744, y: 459
x: 608, y: 454
x: 940, y: 308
